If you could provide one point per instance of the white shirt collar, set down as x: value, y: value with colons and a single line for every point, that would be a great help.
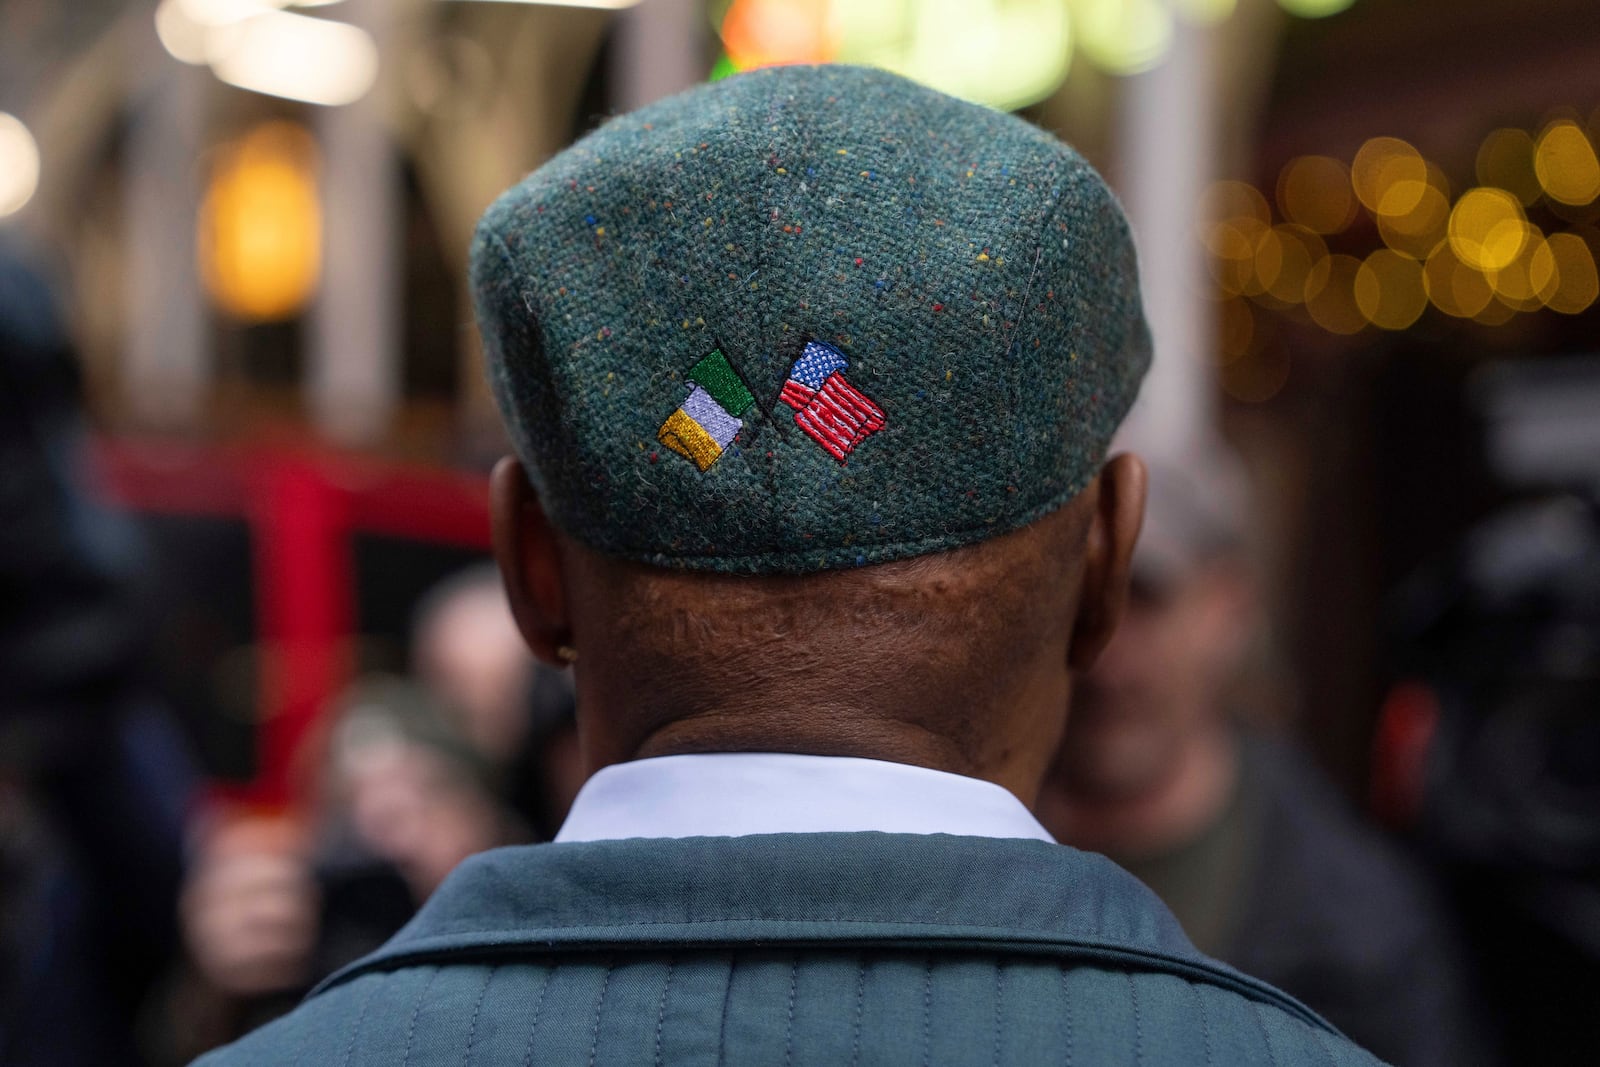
x: 733, y: 794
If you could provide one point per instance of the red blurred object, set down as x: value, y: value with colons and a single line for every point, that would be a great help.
x: 303, y: 508
x: 1407, y: 723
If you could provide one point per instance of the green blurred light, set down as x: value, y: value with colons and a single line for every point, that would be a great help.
x: 1314, y: 9
x: 1124, y: 36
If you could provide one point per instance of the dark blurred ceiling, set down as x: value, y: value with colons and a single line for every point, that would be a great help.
x: 1438, y: 73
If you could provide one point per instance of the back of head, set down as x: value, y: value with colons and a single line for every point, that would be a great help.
x: 808, y: 320
x: 972, y: 274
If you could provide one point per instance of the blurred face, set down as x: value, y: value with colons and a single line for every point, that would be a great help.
x: 1157, y: 686
x: 472, y: 656
x: 409, y: 809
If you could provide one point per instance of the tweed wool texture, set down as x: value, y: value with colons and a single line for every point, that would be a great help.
x: 976, y: 272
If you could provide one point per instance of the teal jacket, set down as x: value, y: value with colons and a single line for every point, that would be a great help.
x: 792, y: 949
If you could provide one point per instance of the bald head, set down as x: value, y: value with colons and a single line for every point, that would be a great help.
x: 957, y: 660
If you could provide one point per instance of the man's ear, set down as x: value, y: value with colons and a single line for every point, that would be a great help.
x: 525, y: 547
x: 1108, y: 557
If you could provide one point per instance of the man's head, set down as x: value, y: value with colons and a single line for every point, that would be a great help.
x: 811, y: 375
x: 1159, y: 686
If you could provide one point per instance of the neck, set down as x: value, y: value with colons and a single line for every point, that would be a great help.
x: 1136, y: 824
x: 818, y: 730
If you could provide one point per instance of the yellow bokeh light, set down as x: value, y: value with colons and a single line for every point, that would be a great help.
x: 1227, y: 200
x: 260, y: 226
x: 1283, y: 271
x: 1389, y: 289
x: 1566, y: 165
x: 1453, y: 287
x: 1417, y: 231
x: 1505, y: 160
x: 1577, y: 282
x: 1527, y: 282
x: 1234, y: 247
x: 1330, y: 295
x: 1384, y: 162
x: 1487, y: 229
x: 1314, y: 191
x: 1266, y: 264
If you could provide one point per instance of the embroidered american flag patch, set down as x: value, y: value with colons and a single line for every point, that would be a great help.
x: 831, y: 411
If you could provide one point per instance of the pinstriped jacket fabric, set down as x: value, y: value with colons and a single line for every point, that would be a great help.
x: 792, y: 949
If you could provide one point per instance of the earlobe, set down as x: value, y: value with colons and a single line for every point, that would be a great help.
x: 1108, y: 557
x: 529, y: 557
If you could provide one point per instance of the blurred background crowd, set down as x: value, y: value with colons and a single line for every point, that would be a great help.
x: 259, y: 688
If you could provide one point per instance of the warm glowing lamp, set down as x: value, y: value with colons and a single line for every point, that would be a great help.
x: 260, y: 231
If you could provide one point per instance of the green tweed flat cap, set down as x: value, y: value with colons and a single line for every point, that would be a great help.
x: 808, y: 318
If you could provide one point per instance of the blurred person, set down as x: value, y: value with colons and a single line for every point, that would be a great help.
x: 414, y: 792
x: 274, y: 905
x: 1489, y: 752
x: 465, y: 647
x: 1259, y: 859
x: 94, y: 777
x: 821, y: 640
x: 517, y: 712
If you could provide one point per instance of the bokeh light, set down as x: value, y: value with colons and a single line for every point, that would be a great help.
x: 1330, y: 295
x: 297, y: 57
x: 1314, y: 9
x: 1417, y: 230
x: 1382, y: 164
x: 1315, y: 192
x: 1284, y: 271
x: 1577, y: 282
x: 1478, y: 258
x: 1389, y: 290
x: 1528, y: 281
x: 260, y: 227
x: 1003, y: 54
x: 1487, y: 229
x: 19, y: 165
x: 759, y: 33
x: 1505, y: 159
x: 1230, y: 199
x: 1234, y: 220
x: 1565, y: 163
x: 1452, y: 286
x: 1124, y: 36
x: 1204, y: 12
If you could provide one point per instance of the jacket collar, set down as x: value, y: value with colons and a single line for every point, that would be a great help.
x: 922, y: 892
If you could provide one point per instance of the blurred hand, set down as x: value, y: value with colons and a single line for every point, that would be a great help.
x: 250, y: 912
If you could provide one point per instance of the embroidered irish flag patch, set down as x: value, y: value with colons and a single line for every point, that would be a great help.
x: 711, y: 415
x: 832, y: 412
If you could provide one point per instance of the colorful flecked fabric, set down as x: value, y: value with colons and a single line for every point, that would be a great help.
x: 975, y: 272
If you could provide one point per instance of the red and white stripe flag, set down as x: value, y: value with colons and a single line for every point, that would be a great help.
x: 837, y: 416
